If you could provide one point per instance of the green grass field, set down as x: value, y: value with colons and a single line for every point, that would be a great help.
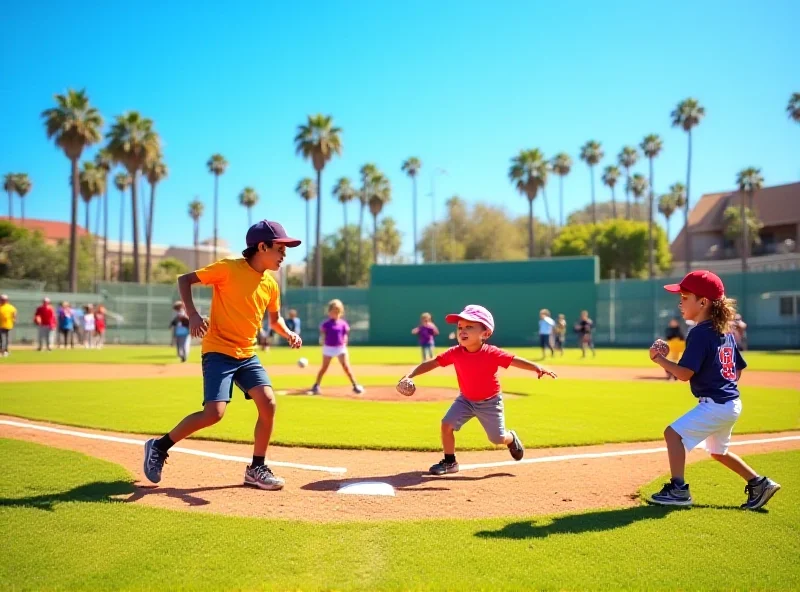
x: 68, y: 534
x: 552, y: 413
x: 401, y: 356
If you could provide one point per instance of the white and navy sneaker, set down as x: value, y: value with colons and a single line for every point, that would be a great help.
x: 443, y: 468
x: 759, y: 494
x: 154, y: 460
x: 516, y: 448
x: 263, y: 478
x: 314, y: 390
x: 672, y: 495
x: 358, y: 389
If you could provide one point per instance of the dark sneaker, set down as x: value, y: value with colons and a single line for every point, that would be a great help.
x: 443, y: 468
x: 672, y: 495
x: 516, y: 448
x: 262, y: 478
x: 154, y: 460
x: 358, y: 389
x: 759, y: 494
x: 314, y: 390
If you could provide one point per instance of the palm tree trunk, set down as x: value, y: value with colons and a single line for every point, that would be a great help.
x: 613, y: 202
x: 87, y: 226
x: 549, y: 223
x: 375, y: 238
x: 743, y: 221
x: 346, y: 249
x: 196, y: 244
x: 149, y: 232
x: 317, y: 243
x: 105, y: 233
x: 121, y: 233
x: 22, y: 208
x: 216, y: 200
x: 360, y: 233
x: 627, y: 194
x: 530, y: 227
x: 651, y: 258
x: 688, y: 235
x: 668, y: 227
x: 10, y: 205
x: 307, y: 274
x: 249, y: 215
x: 73, y: 231
x: 416, y: 253
x: 135, y: 207
x: 594, y: 208
x: 561, y: 200
x: 96, y: 236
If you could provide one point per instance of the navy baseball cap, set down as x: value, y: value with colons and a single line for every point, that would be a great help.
x: 266, y: 231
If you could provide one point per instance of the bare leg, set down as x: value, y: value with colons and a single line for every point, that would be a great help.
x: 344, y: 360
x: 264, y: 398
x: 676, y: 453
x: 736, y: 464
x: 448, y: 438
x: 212, y: 412
x: 326, y: 361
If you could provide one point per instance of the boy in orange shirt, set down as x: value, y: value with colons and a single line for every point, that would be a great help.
x: 243, y: 291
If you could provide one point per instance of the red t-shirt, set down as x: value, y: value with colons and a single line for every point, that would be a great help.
x: 477, y: 372
x: 99, y: 322
x: 46, y: 315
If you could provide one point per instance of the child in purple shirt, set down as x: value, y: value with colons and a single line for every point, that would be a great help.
x: 426, y: 331
x: 334, y: 335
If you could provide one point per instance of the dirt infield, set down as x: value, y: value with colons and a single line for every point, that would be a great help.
x: 381, y: 393
x: 60, y: 372
x: 199, y: 484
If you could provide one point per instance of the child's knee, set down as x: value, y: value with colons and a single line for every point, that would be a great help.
x: 213, y: 413
x: 497, y: 438
x: 447, y: 428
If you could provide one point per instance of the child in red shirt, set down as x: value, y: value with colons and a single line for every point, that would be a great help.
x: 476, y: 365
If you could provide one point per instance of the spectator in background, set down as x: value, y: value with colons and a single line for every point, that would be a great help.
x: 89, y: 326
x: 560, y: 333
x: 293, y: 322
x: 45, y: 320
x: 77, y: 315
x: 676, y: 341
x: 584, y: 328
x: 66, y: 326
x: 426, y: 332
x: 739, y: 330
x: 180, y: 331
x: 100, y: 326
x: 8, y: 316
x: 546, y: 324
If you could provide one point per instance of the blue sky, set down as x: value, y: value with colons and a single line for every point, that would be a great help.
x: 462, y: 85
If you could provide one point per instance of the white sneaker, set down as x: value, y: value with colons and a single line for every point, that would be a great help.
x: 358, y: 389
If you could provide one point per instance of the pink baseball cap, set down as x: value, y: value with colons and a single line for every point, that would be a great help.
x: 473, y: 312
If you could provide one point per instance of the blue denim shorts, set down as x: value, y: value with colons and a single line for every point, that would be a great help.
x: 220, y: 372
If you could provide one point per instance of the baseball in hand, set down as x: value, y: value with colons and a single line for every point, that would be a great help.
x: 406, y: 387
x: 659, y: 347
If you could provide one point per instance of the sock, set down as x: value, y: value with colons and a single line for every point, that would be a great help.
x: 258, y: 461
x: 678, y: 482
x: 755, y: 480
x: 164, y: 443
x: 450, y: 458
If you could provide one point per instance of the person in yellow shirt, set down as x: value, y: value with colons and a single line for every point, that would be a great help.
x: 8, y: 316
x: 242, y: 292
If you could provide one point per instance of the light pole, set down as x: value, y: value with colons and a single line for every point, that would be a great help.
x: 437, y: 171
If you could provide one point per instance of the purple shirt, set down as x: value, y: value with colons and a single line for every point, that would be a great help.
x: 335, y: 331
x: 425, y: 334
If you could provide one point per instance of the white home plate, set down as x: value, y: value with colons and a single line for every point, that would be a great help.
x: 367, y: 488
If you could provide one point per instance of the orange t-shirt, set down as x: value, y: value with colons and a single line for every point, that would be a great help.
x: 239, y: 300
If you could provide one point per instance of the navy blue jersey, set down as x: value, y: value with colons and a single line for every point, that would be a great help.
x: 715, y: 361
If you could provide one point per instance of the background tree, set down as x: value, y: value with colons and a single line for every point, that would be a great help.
x: 104, y: 163
x: 627, y: 159
x: 217, y: 166
x: 335, y: 249
x: 249, y: 198
x: 10, y: 187
x: 732, y: 219
x: 318, y: 141
x: 610, y: 178
x: 168, y: 269
x: 793, y: 108
x: 132, y: 142
x: 749, y: 181
x: 380, y: 195
x: 638, y: 186
x: 688, y: 115
x: 561, y: 165
x: 367, y: 172
x: 196, y: 209
x: 156, y: 171
x: 90, y: 184
x: 121, y: 181
x: 651, y: 147
x: 24, y: 186
x: 344, y: 192
x: 390, y: 239
x: 528, y: 172
x: 667, y: 206
x: 411, y: 167
x: 73, y: 124
x: 592, y: 153
x: 307, y: 190
x: 604, y: 211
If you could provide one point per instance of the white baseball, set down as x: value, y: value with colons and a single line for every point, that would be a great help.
x: 302, y: 362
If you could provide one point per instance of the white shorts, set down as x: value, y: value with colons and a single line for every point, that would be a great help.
x: 334, y: 351
x: 709, y: 421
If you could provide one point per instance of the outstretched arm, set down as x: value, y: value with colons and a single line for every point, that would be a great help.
x: 518, y: 362
x: 423, y: 368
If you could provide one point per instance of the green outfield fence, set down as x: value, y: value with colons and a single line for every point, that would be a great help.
x: 626, y: 312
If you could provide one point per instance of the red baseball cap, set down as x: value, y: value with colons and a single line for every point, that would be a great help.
x: 475, y: 313
x: 700, y: 283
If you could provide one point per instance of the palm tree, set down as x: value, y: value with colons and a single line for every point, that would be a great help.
x: 133, y: 142
x: 104, y: 162
x: 651, y: 146
x: 10, y: 187
x: 196, y: 208
x: 73, y: 124
x: 216, y: 166
x: 380, y: 195
x: 91, y: 185
x: 307, y: 190
x: 344, y: 192
x: 528, y: 175
x: 610, y: 178
x: 318, y: 140
x: 637, y: 185
x: 749, y: 181
x: 248, y: 198
x: 367, y: 172
x: 156, y: 171
x: 667, y: 204
x: 627, y: 158
x: 688, y: 115
x: 561, y: 165
x: 411, y: 168
x: 793, y: 108
x: 121, y: 181
x: 592, y: 153
x: 24, y: 185
x: 678, y: 193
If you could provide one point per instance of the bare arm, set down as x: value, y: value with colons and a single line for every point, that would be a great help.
x: 278, y: 324
x: 198, y: 326
x: 415, y: 330
x: 524, y: 364
x: 677, y: 371
x: 423, y: 368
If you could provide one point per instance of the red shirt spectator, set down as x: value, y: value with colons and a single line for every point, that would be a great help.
x: 45, y: 316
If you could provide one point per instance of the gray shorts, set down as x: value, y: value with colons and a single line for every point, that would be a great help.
x: 489, y: 412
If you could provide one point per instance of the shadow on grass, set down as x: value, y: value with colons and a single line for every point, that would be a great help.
x: 409, y: 481
x: 99, y: 491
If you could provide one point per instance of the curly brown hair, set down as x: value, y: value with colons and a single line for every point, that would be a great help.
x: 722, y: 313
